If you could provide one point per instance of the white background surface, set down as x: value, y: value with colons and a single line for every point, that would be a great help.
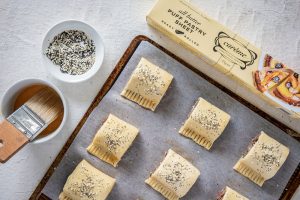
x: 273, y: 25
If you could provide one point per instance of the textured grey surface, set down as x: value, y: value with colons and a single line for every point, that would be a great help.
x: 159, y: 132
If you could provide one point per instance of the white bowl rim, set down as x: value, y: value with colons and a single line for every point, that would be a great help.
x: 48, y: 83
x: 78, y: 78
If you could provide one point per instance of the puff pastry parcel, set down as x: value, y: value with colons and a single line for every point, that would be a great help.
x: 87, y: 183
x: 174, y: 177
x: 112, y: 140
x: 205, y: 123
x: 147, y: 85
x: 264, y: 158
x: 229, y: 194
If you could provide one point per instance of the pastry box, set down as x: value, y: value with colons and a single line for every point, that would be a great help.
x: 225, y: 50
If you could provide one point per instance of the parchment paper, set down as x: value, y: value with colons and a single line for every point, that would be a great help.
x: 159, y: 132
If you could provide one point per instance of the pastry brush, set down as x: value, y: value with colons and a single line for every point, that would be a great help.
x: 28, y: 121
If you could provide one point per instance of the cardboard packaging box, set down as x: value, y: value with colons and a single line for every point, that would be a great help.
x: 228, y: 52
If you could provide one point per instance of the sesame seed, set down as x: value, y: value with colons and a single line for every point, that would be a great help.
x: 73, y: 51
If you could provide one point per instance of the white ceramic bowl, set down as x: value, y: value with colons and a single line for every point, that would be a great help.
x: 12, y: 93
x: 53, y: 69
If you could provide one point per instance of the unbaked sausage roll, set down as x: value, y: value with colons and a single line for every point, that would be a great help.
x: 264, y: 158
x: 205, y: 123
x: 229, y: 194
x: 174, y: 177
x: 86, y: 183
x: 147, y: 85
x: 112, y: 140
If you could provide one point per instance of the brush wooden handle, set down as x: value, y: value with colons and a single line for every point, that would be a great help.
x: 11, y: 140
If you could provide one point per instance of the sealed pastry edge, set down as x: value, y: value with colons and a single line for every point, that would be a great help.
x: 63, y: 196
x: 162, y: 189
x: 248, y: 172
x: 103, y: 155
x: 152, y: 181
x: 198, y: 138
x: 159, y: 187
x: 107, y: 156
x: 139, y: 99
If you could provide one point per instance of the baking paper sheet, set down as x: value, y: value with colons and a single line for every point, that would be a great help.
x: 159, y: 132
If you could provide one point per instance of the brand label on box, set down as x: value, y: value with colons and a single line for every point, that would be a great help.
x: 228, y: 52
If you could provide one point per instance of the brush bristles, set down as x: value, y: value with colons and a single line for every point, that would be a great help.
x: 47, y: 104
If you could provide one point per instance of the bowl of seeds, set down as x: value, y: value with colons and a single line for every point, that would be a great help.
x: 72, y: 51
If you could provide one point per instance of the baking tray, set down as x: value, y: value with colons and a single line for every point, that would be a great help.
x: 159, y: 132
